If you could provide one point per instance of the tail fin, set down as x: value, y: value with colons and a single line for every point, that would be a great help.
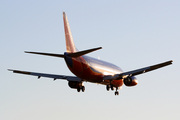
x: 70, y: 46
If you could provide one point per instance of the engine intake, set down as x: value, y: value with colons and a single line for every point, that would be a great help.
x: 130, y: 81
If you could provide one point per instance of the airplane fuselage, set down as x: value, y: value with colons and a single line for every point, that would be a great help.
x: 93, y: 70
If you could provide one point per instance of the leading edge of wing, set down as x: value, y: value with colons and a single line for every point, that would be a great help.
x: 68, y: 78
x: 145, y: 69
x: 138, y: 71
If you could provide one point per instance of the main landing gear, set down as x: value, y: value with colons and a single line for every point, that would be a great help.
x: 112, y: 88
x: 81, y: 88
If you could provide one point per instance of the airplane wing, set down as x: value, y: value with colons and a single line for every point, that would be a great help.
x: 68, y: 78
x: 138, y: 71
x: 145, y: 69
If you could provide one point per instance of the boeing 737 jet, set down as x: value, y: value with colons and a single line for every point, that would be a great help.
x: 90, y: 69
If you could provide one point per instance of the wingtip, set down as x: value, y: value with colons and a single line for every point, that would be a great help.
x: 171, y: 61
x: 27, y: 52
x: 9, y: 69
x: 99, y: 48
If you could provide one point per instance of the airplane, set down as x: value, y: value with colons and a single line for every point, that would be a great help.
x: 88, y: 69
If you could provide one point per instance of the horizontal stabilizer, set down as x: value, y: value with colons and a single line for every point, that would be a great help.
x: 48, y: 54
x: 76, y: 54
x: 80, y: 53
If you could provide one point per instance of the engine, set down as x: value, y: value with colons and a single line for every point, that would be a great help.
x: 130, y: 81
x: 74, y: 85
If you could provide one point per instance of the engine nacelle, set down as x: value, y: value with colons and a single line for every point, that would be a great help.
x: 130, y: 81
x: 74, y: 85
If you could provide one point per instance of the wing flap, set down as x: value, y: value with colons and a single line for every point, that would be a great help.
x: 68, y: 78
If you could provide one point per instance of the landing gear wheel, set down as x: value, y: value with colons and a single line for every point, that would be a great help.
x: 107, y: 87
x: 83, y: 88
x: 116, y: 93
x: 78, y: 89
x: 112, y: 88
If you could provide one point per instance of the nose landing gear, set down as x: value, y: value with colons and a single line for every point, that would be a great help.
x: 116, y: 92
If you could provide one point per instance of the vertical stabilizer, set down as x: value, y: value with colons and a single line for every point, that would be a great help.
x: 70, y: 47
